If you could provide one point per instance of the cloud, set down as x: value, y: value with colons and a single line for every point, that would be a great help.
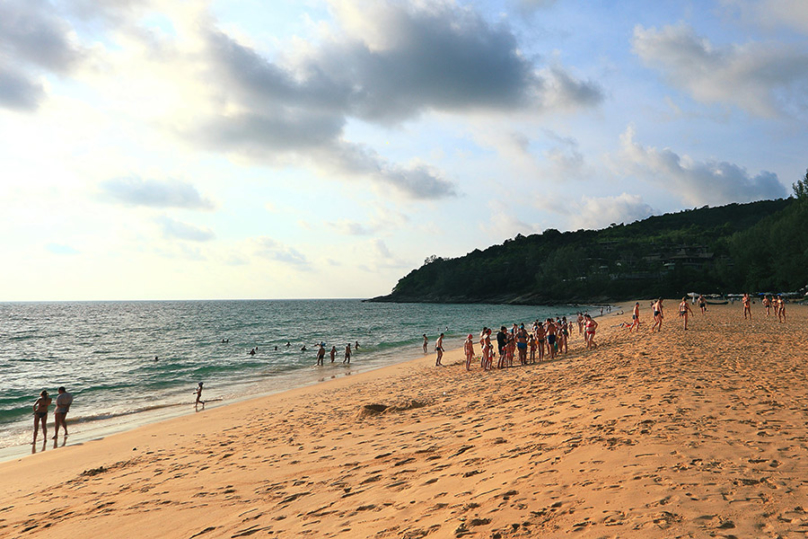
x: 764, y: 79
x: 183, y: 231
x: 706, y: 182
x: 34, y: 39
x: 504, y: 224
x: 382, y: 63
x: 154, y: 193
x: 382, y: 221
x: 268, y: 248
x: 771, y: 14
x: 600, y: 212
x: 59, y: 249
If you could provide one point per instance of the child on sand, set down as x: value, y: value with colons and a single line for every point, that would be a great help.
x: 199, y: 397
x: 41, y: 414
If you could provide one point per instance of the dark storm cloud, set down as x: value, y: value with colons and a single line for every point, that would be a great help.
x: 154, y: 194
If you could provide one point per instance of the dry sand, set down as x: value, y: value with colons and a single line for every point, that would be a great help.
x: 677, y: 434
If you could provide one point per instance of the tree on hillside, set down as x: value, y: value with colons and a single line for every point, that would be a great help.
x: 801, y: 188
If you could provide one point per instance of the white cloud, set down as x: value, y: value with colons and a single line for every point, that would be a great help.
x: 177, y: 229
x: 771, y: 14
x: 135, y: 191
x: 765, y: 79
x: 696, y: 182
x: 593, y: 212
x: 271, y: 249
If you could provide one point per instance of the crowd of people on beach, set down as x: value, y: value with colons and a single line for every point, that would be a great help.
x: 544, y: 339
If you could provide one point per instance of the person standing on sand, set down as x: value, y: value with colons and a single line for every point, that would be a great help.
x: 550, y: 330
x: 426, y: 341
x: 63, y: 402
x: 199, y: 397
x: 747, y: 306
x: 684, y: 309
x: 767, y: 304
x: 781, y: 309
x: 347, y: 359
x: 635, y: 317
x: 320, y: 354
x: 702, y: 304
x: 439, y: 351
x: 468, y: 348
x: 658, y: 315
x: 540, y: 337
x: 41, y: 415
x: 521, y: 344
x: 590, y: 325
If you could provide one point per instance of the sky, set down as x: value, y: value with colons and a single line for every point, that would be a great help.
x: 246, y: 149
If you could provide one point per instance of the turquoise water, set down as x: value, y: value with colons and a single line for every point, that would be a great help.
x: 103, y: 352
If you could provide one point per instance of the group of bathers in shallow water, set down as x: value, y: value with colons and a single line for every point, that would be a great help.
x: 543, y: 340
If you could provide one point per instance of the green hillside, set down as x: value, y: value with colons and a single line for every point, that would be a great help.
x: 760, y: 246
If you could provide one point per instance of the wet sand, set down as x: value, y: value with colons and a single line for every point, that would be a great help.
x: 672, y: 434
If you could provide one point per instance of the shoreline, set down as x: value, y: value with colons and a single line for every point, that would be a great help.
x: 677, y: 433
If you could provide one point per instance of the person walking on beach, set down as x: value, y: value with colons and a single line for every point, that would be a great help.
x: 333, y: 353
x: 747, y: 307
x: 63, y: 402
x: 347, y: 359
x: 702, y: 304
x: 635, y: 317
x: 426, y: 342
x: 41, y: 415
x: 658, y: 315
x: 468, y: 348
x: 439, y: 351
x: 590, y: 326
x: 684, y: 309
x: 781, y: 309
x: 199, y: 397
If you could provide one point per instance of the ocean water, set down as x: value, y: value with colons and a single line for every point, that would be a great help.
x: 104, y: 352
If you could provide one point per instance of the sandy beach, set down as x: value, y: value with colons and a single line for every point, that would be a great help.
x: 675, y: 434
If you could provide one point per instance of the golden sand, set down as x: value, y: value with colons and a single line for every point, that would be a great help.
x: 676, y: 434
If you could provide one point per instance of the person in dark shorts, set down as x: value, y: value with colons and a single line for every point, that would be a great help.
x: 63, y: 402
x: 41, y: 414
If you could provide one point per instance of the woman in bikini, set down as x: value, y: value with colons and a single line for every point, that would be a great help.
x: 590, y: 326
x: 468, y: 347
x: 41, y: 414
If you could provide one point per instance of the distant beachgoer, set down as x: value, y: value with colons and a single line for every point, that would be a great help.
x: 276, y: 347
x: 156, y: 358
x: 468, y: 348
x: 550, y: 330
x: 580, y: 323
x: 635, y: 317
x: 303, y: 348
x: 488, y: 353
x: 702, y: 304
x: 565, y: 333
x: 658, y: 315
x: 356, y: 345
x: 288, y: 344
x: 767, y: 304
x: 426, y: 341
x: 781, y: 309
x: 41, y: 414
x: 502, y: 341
x: 684, y: 309
x: 439, y: 350
x: 521, y: 344
x: 541, y: 335
x: 747, y: 306
x: 63, y: 402
x: 320, y: 354
x: 199, y: 397
x: 532, y: 346
x: 590, y: 326
x: 333, y: 353
x: 347, y: 354
x: 252, y: 352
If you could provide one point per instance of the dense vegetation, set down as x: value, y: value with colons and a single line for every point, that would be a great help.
x: 756, y: 247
